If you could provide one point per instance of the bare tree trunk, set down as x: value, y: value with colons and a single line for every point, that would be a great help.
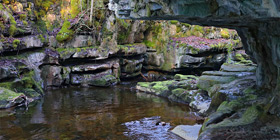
x: 88, y: 7
x: 81, y: 5
x: 91, y: 11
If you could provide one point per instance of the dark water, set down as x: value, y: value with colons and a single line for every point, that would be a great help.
x: 95, y: 113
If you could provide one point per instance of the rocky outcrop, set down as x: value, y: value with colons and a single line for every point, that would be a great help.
x: 257, y: 24
x: 102, y: 74
x: 19, y: 77
x: 187, y: 132
x: 132, y: 59
x: 188, y: 54
x: 182, y: 89
x: 9, y: 98
x: 19, y: 44
x: 254, y: 21
x: 91, y: 66
x: 227, y: 84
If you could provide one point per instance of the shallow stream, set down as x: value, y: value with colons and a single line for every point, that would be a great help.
x: 96, y: 113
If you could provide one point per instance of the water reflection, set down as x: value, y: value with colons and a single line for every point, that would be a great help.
x: 89, y: 113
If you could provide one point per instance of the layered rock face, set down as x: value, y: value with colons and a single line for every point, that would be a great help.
x: 257, y: 24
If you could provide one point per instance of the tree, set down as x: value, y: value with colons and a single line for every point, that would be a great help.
x: 91, y: 11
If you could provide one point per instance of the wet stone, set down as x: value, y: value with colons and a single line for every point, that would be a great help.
x: 149, y: 128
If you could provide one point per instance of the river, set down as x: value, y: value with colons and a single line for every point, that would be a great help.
x: 75, y: 113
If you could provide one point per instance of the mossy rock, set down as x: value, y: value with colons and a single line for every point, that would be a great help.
x: 184, y: 77
x: 65, y: 33
x: 248, y: 117
x: 205, y: 82
x: 6, y: 97
x: 230, y: 106
x: 237, y: 68
x: 180, y: 95
x: 27, y: 85
x: 104, y: 81
x: 31, y: 93
x: 144, y: 84
x: 161, y: 86
x: 178, y: 91
x: 158, y: 88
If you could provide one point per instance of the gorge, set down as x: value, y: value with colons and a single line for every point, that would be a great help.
x: 64, y: 61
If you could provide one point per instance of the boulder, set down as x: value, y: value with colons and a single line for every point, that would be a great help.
x: 109, y: 64
x: 238, y: 68
x: 8, y: 72
x: 107, y: 49
x: 228, y: 74
x: 131, y: 67
x: 102, y: 79
x: 80, y: 41
x: 27, y: 42
x: 205, y: 82
x: 51, y: 57
x: 51, y: 76
x: 183, y: 89
x: 9, y: 98
x: 187, y: 132
x: 154, y: 60
x: 133, y: 49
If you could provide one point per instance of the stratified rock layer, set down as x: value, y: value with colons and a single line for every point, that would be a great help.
x: 257, y: 23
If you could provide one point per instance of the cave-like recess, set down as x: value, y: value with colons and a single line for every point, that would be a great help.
x: 256, y: 21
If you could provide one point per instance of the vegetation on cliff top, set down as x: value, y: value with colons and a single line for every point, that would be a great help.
x: 65, y: 33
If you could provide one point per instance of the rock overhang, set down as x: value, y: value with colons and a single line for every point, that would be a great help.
x: 256, y: 21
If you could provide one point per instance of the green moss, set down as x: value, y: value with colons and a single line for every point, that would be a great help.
x: 161, y: 85
x: 193, y: 49
x: 229, y: 106
x: 178, y: 91
x: 75, y: 10
x: 167, y: 66
x: 42, y: 38
x: 41, y: 26
x: 8, y: 85
x: 22, y: 17
x: 7, y: 94
x: 65, y: 33
x: 205, y: 82
x: 239, y: 56
x: 157, y: 29
x: 186, y: 25
x: 42, y: 7
x: 150, y: 44
x: 159, y: 88
x: 174, y: 21
x: 184, y: 77
x: 104, y: 81
x: 178, y: 29
x: 124, y: 48
x: 249, y: 116
x: 63, y: 52
x: 12, y: 30
x: 225, y: 33
x: 16, y: 42
x: 198, y: 28
x: 25, y: 23
x: 25, y: 82
x: 123, y: 23
x: 6, y: 1
x: 122, y: 37
x: 144, y: 84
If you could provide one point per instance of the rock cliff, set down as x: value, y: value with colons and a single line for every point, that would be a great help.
x: 257, y: 23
